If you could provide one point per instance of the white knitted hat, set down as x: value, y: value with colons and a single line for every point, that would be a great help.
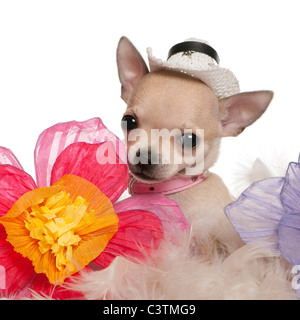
x: 196, y: 58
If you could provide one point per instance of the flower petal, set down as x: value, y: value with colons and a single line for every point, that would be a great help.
x: 7, y: 157
x: 290, y: 193
x: 18, y: 271
x: 139, y: 232
x: 97, y: 163
x: 13, y: 184
x: 167, y: 210
x: 289, y: 238
x: 257, y: 212
x: 42, y: 287
x: 144, y: 221
x: 94, y: 236
x: 55, y: 139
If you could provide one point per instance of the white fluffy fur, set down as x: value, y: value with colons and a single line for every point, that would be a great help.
x: 269, y: 164
x: 181, y: 271
x: 175, y: 273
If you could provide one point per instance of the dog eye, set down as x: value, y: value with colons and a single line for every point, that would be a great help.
x: 189, y: 140
x: 128, y: 123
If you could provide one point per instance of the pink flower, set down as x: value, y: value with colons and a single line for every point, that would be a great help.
x: 68, y: 220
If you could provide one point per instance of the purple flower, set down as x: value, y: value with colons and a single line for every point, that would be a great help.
x: 269, y: 212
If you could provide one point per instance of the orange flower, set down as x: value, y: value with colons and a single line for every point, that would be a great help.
x: 68, y: 220
x: 61, y: 228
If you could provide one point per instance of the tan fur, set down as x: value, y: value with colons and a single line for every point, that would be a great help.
x: 167, y: 99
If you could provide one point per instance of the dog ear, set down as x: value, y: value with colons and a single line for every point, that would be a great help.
x: 241, y: 110
x: 131, y: 67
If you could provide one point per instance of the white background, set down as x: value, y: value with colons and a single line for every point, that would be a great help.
x: 57, y: 63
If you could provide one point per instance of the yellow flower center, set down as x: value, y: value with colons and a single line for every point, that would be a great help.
x: 61, y: 228
x: 54, y: 222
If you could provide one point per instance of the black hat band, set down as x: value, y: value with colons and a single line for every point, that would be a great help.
x: 194, y: 46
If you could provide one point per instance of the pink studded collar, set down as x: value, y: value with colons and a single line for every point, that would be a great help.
x: 166, y: 187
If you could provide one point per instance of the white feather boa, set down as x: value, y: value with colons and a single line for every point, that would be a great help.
x: 176, y: 272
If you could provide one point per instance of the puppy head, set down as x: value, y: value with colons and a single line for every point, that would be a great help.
x: 174, y: 122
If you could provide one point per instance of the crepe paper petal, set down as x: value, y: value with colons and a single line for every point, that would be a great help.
x: 97, y: 163
x: 13, y: 184
x: 7, y: 157
x: 257, y: 212
x: 139, y: 232
x: 42, y: 287
x: 55, y: 139
x: 290, y: 193
x: 289, y: 238
x: 18, y: 270
x: 167, y: 210
x: 93, y: 224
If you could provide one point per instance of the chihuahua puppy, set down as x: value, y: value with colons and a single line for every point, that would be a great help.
x: 170, y: 100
